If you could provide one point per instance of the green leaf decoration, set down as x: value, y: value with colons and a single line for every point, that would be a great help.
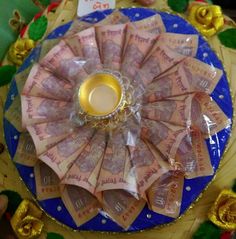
x: 228, y: 38
x: 207, y: 230
x: 234, y: 186
x: 6, y: 74
x: 53, y: 235
x: 14, y: 200
x: 178, y: 5
x: 44, y: 2
x: 38, y: 28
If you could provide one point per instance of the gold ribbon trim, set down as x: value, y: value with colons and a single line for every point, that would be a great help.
x: 26, y: 222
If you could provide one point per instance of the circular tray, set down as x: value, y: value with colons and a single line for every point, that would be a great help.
x: 192, y: 187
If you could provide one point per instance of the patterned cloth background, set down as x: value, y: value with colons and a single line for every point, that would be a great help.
x: 14, y: 14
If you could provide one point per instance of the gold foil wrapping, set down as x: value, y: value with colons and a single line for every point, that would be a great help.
x: 223, y: 211
x: 26, y: 222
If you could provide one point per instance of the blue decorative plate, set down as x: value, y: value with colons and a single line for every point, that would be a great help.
x: 192, y: 187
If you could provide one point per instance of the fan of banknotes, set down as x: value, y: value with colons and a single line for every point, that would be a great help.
x: 118, y: 112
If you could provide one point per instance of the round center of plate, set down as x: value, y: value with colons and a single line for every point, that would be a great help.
x: 100, y: 94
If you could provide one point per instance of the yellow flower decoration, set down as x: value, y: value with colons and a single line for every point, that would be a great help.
x: 223, y: 212
x: 208, y: 19
x: 26, y: 222
x: 19, y: 50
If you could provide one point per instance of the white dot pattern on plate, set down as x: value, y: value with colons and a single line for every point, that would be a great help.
x: 149, y: 216
x: 31, y: 175
x: 188, y: 188
x: 104, y: 221
x: 59, y: 208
